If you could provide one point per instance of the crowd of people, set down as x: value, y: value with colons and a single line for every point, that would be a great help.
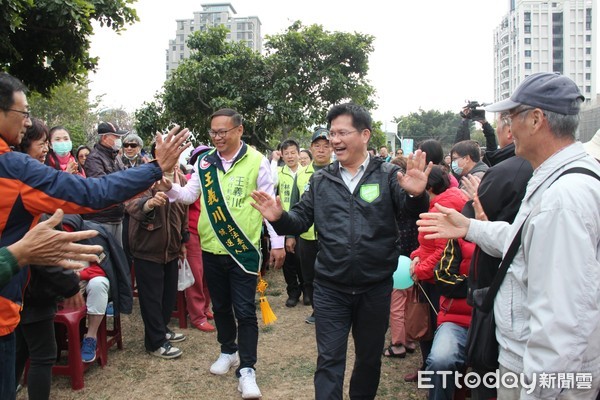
x: 337, y: 215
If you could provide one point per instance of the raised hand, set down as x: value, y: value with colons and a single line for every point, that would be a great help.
x: 445, y: 224
x: 414, y: 181
x: 170, y: 148
x: 269, y: 207
x: 470, y: 185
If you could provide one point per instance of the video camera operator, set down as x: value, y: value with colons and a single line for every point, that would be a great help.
x: 473, y: 111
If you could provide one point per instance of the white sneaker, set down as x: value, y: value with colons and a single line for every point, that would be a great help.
x: 224, y: 363
x: 248, y: 385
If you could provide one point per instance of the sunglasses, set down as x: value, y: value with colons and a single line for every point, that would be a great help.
x: 132, y: 145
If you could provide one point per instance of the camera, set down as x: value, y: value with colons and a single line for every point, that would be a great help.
x: 473, y: 110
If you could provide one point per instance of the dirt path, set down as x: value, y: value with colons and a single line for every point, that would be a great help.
x: 286, y: 362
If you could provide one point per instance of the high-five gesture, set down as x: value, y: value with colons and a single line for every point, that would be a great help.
x: 269, y: 207
x: 414, y: 181
x: 445, y: 224
x: 170, y: 148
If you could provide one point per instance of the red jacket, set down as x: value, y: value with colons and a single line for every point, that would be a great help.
x: 430, y: 250
x: 451, y: 279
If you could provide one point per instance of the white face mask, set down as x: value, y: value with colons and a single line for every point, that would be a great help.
x: 118, y: 144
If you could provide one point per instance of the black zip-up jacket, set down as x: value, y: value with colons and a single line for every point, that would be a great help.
x: 104, y: 161
x: 357, y: 232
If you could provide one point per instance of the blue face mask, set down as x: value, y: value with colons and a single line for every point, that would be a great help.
x: 457, y: 170
x: 62, y: 148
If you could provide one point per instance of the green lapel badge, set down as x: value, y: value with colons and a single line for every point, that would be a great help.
x: 369, y: 192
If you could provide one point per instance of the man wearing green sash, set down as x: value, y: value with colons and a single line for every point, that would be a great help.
x: 230, y: 231
x: 351, y: 203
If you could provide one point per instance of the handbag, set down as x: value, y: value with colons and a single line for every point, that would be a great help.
x: 482, y: 345
x: 417, y: 316
x: 186, y: 278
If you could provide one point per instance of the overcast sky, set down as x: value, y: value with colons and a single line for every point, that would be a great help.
x: 432, y: 54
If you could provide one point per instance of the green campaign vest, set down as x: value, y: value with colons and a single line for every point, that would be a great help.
x: 215, y: 219
x: 285, y: 185
x: 302, y: 177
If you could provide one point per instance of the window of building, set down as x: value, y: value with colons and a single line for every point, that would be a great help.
x: 588, y: 89
x: 174, y: 48
x: 527, y: 29
x: 181, y: 56
x: 240, y: 26
x: 527, y: 16
x: 588, y: 38
x: 527, y: 40
x: 527, y: 65
x: 527, y: 53
x: 588, y: 76
x: 588, y: 63
x: 181, y: 47
x: 191, y: 29
x: 588, y: 50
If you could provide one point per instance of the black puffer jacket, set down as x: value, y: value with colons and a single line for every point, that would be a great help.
x: 104, y: 161
x: 357, y: 232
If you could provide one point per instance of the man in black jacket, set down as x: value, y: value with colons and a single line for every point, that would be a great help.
x: 350, y: 202
x: 102, y: 161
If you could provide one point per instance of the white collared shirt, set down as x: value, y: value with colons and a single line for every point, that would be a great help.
x: 352, y: 181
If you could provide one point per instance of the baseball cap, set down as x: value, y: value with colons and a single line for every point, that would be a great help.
x: 106, y: 127
x: 546, y: 90
x: 593, y: 146
x: 320, y: 133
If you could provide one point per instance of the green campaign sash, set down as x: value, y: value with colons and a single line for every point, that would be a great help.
x: 233, y: 239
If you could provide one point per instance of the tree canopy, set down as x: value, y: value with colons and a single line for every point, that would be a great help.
x: 46, y: 42
x: 283, y: 93
x: 431, y: 124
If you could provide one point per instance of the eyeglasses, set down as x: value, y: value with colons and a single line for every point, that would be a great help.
x: 510, y: 117
x: 26, y: 114
x: 132, y: 145
x: 457, y: 158
x: 220, y: 133
x: 340, y: 134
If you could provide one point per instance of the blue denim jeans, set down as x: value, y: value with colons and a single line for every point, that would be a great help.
x: 232, y: 292
x: 8, y: 349
x: 447, y: 354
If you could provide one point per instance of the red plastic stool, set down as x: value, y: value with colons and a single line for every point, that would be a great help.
x: 180, y: 311
x: 106, y: 338
x: 68, y: 336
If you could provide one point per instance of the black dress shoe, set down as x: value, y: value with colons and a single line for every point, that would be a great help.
x: 292, y: 301
x: 306, y: 300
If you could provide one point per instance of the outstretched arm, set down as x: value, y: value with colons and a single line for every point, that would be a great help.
x: 269, y: 207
